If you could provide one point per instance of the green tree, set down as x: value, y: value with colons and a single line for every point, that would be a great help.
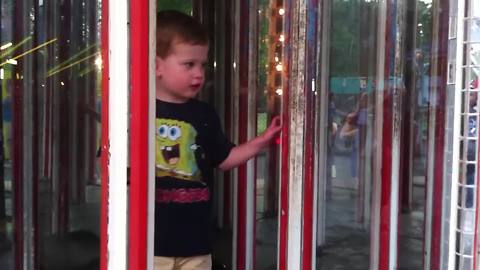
x: 185, y: 6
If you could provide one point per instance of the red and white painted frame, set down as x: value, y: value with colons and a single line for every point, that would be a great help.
x: 312, y: 19
x: 128, y: 23
x: 142, y: 126
x: 436, y: 139
x: 297, y: 181
x: 104, y: 144
x: 114, y: 158
x: 385, y: 197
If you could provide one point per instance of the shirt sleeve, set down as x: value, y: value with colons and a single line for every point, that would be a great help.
x: 220, y: 145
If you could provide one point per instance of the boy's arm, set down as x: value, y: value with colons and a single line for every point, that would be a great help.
x: 242, y: 153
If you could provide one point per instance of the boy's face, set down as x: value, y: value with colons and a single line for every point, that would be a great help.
x: 181, y: 74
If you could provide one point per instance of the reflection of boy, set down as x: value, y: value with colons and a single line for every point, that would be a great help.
x: 189, y: 144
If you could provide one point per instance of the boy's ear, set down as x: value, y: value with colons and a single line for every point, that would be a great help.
x: 158, y: 66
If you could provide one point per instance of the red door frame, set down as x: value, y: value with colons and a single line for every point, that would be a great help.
x: 104, y: 137
x: 243, y: 65
x: 438, y: 85
x: 309, y: 138
x: 139, y: 53
x: 389, y: 129
x: 242, y: 211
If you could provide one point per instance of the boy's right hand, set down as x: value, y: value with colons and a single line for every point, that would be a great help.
x: 273, y: 129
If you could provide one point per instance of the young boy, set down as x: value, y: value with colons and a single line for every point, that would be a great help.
x: 189, y: 144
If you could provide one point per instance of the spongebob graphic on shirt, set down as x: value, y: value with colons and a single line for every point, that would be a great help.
x: 175, y: 150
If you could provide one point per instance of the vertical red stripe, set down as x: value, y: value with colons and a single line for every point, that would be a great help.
x: 243, y: 67
x: 104, y: 139
x: 309, y: 187
x: 139, y: 23
x: 385, y: 201
x: 439, y: 82
x: 283, y: 234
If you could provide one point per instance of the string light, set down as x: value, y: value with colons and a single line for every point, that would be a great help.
x: 6, y: 46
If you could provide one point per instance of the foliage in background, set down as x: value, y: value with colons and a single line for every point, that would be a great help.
x: 185, y: 6
x: 424, y: 37
x: 345, y: 38
x: 263, y: 41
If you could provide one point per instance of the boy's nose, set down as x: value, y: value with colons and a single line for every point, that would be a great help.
x: 199, y: 73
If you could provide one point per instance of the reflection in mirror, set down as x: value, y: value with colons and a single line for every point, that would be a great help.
x: 413, y: 168
x: 345, y: 242
x: 50, y: 70
x: 269, y: 93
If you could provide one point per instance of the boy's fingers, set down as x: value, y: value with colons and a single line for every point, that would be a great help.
x: 276, y: 121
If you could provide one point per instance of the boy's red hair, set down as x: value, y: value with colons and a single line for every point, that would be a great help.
x: 175, y: 26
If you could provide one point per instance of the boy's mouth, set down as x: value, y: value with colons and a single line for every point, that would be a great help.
x: 171, y: 154
x: 196, y: 86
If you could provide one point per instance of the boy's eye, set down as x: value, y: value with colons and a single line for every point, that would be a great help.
x: 174, y: 133
x: 189, y: 64
x: 162, y: 131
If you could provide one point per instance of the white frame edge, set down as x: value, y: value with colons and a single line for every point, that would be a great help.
x: 118, y: 129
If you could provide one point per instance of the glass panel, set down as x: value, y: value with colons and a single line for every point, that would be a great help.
x: 418, y: 41
x: 467, y: 263
x: 7, y: 207
x: 474, y: 32
x: 269, y: 93
x: 345, y: 241
x: 50, y: 86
